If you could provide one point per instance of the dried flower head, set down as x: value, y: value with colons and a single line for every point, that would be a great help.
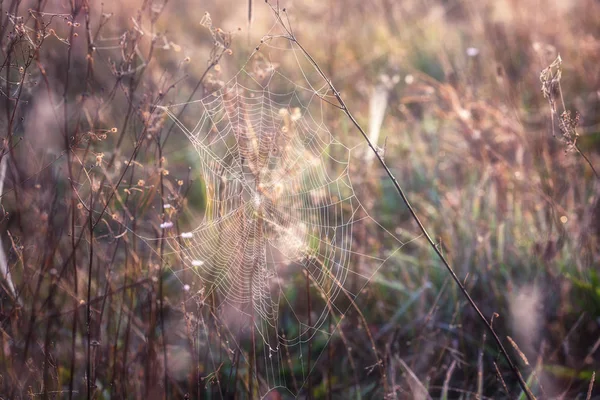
x: 550, y: 79
x: 568, y: 124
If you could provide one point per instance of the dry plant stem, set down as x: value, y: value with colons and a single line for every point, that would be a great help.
x: 160, y: 270
x: 446, y: 386
x: 480, y: 369
x: 589, y: 393
x: 562, y: 100
x: 413, y: 213
x: 72, y: 210
x: 499, y: 375
x: 88, y: 310
x: 588, y: 162
x: 249, y: 18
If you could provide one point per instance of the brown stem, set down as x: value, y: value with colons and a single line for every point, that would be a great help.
x: 405, y: 200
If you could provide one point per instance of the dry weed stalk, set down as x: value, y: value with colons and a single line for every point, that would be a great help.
x: 550, y: 78
x: 280, y: 14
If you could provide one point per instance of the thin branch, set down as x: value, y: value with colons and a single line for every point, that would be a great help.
x: 413, y: 213
x: 581, y: 153
x: 591, y: 386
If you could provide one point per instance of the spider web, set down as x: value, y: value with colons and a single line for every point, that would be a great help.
x: 277, y: 252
